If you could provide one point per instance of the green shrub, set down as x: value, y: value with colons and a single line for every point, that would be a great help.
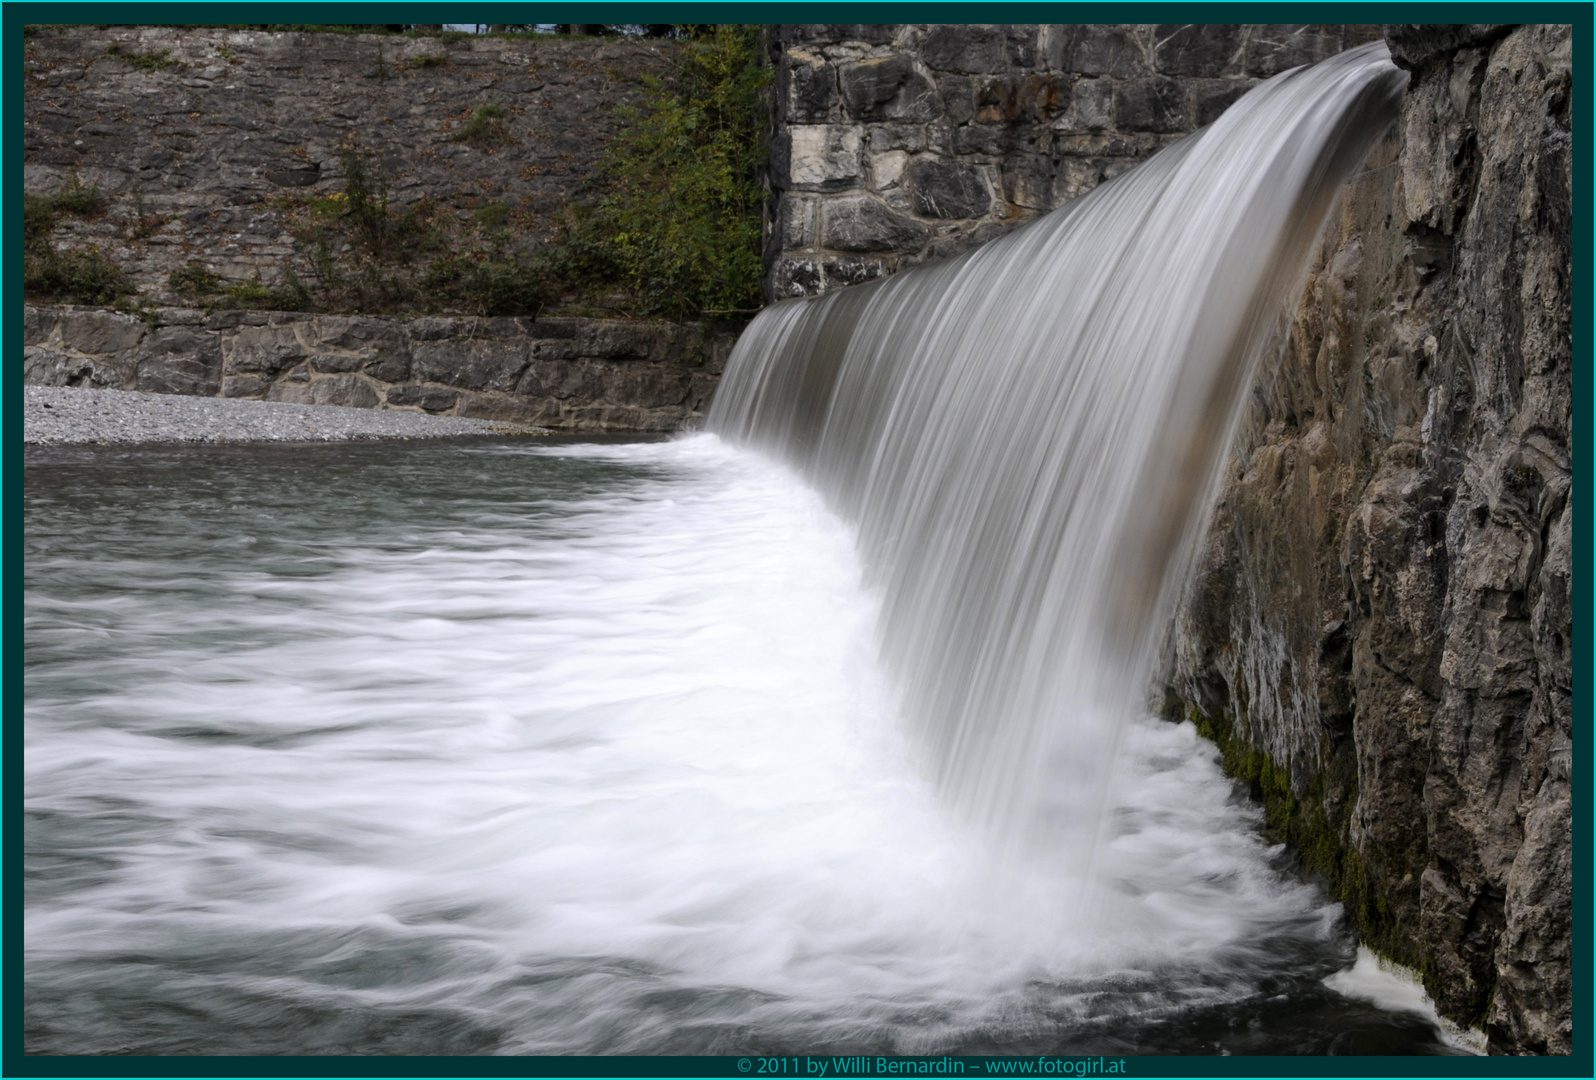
x: 492, y: 215
x: 676, y: 223
x: 155, y: 60
x: 256, y: 295
x: 83, y: 276
x: 426, y: 60
x: 484, y: 129
x: 39, y: 217
x: 80, y: 275
x: 78, y: 199
x: 145, y: 224
x: 485, y: 286
x: 195, y: 279
x: 366, y: 197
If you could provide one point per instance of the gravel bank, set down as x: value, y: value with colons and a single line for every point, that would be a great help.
x: 62, y: 415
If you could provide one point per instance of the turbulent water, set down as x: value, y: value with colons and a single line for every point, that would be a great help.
x: 461, y: 748
x: 671, y: 747
x: 1028, y: 437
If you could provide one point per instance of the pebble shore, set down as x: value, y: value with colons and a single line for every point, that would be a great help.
x: 65, y: 415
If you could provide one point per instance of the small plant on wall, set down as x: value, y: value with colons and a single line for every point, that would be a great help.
x: 84, y: 275
x: 484, y: 128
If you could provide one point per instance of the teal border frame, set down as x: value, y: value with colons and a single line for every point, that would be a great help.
x: 12, y: 18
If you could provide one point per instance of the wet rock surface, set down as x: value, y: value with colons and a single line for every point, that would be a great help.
x: 1382, y: 604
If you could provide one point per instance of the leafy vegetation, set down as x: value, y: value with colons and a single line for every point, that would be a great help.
x: 145, y: 224
x: 78, y: 199
x: 676, y: 222
x: 82, y: 275
x: 194, y: 280
x: 366, y: 254
x: 484, y: 129
x: 254, y: 294
x: 154, y: 60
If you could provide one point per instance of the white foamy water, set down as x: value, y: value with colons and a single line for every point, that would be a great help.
x: 569, y: 748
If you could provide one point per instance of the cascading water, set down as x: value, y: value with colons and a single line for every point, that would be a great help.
x: 1028, y: 436
x: 574, y: 748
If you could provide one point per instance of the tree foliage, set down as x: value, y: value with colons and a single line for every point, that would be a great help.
x: 676, y: 222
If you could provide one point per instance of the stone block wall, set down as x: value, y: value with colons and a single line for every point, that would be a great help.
x: 568, y: 374
x: 897, y: 144
x: 195, y: 136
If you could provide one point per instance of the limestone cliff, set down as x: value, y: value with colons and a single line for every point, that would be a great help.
x: 1379, y: 631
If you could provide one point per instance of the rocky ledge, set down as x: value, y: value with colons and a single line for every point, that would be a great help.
x: 569, y: 374
x: 1379, y: 632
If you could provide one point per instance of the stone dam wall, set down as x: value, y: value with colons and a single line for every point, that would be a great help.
x: 1379, y: 631
x: 896, y: 145
x: 566, y: 374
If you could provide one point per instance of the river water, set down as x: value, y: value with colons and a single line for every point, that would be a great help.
x: 574, y: 747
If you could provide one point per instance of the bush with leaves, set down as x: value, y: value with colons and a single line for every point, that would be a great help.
x: 676, y: 221
x: 81, y: 275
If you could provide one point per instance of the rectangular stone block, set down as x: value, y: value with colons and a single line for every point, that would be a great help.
x: 1272, y: 49
x: 38, y: 324
x: 967, y: 48
x: 1155, y: 104
x: 615, y: 340
x: 329, y: 363
x: 181, y: 373
x: 1094, y: 50
x: 796, y: 226
x: 810, y: 87
x: 244, y: 386
x: 789, y: 277
x: 1200, y: 49
x: 492, y: 364
x: 582, y: 380
x: 99, y: 332
x: 348, y: 390
x: 1028, y: 182
x: 427, y: 398
x: 263, y: 349
x: 1021, y: 42
x: 887, y: 169
x: 864, y: 223
x: 822, y: 153
x: 509, y: 410
x: 1091, y: 107
x: 560, y: 329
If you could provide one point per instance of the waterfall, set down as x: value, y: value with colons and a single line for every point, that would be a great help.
x: 1028, y: 437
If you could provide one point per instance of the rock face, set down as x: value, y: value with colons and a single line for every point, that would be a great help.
x: 894, y: 145
x: 1379, y: 631
x: 568, y: 374
x: 197, y: 137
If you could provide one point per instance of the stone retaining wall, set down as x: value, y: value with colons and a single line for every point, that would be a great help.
x: 196, y: 137
x: 893, y: 145
x: 569, y: 374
